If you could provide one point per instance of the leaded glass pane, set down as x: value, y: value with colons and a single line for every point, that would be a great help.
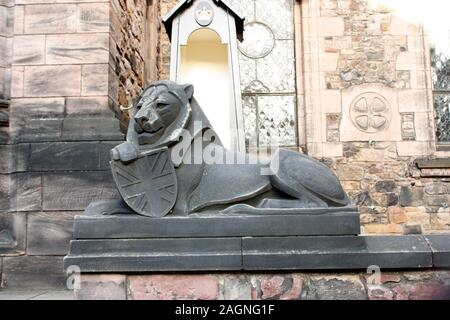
x: 277, y: 70
x: 277, y: 120
x: 440, y: 63
x: 247, y: 68
x: 267, y: 69
x: 249, y: 109
x: 245, y: 7
x: 442, y: 105
x: 279, y: 15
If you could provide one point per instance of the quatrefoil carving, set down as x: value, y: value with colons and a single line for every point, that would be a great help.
x: 370, y: 112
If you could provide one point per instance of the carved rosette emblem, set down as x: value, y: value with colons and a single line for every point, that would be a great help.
x: 370, y: 112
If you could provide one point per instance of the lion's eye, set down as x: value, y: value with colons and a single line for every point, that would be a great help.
x: 162, y: 105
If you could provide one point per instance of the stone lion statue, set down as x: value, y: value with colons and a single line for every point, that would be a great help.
x: 157, y: 172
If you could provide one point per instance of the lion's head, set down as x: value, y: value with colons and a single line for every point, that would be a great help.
x: 162, y: 111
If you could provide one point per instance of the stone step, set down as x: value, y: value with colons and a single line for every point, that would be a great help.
x: 325, y: 222
x: 259, y: 253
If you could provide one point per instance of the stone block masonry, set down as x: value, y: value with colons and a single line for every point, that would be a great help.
x: 359, y: 59
x: 126, y: 51
x: 69, y: 66
x: 279, y: 286
x: 62, y: 127
x: 390, y: 191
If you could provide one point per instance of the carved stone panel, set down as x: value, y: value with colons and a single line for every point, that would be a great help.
x: 370, y: 112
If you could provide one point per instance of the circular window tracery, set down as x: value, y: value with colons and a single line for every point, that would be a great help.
x: 259, y: 40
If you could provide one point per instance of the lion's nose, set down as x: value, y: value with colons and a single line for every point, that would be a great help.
x: 142, y: 119
x: 150, y: 124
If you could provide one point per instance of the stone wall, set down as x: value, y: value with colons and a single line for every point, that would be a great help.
x: 61, y: 132
x: 393, y: 195
x: 6, y: 21
x: 293, y: 286
x: 369, y: 115
x: 127, y: 74
x: 164, y: 43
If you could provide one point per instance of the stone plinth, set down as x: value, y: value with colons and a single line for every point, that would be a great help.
x: 318, y: 239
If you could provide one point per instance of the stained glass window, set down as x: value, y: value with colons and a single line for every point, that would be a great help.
x: 267, y: 69
x: 440, y: 63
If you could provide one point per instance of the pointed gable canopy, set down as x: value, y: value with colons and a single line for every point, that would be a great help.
x: 182, y: 5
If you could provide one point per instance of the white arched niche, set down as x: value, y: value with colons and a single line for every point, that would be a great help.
x: 204, y: 62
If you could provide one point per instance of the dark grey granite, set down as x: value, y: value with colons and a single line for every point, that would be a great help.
x: 336, y: 221
x: 250, y: 254
x: 387, y: 252
x: 440, y: 245
x: 156, y: 176
x: 146, y: 255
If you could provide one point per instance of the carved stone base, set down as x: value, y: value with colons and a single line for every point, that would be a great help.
x: 129, y: 243
x: 305, y: 222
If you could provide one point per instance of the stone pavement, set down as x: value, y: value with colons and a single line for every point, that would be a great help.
x: 36, y: 295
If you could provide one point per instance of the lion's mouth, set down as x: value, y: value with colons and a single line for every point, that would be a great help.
x: 146, y: 138
x: 147, y: 127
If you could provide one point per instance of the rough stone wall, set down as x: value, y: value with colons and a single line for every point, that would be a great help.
x: 164, y: 43
x: 127, y: 47
x: 368, y: 113
x: 433, y: 285
x: 367, y: 51
x: 393, y: 195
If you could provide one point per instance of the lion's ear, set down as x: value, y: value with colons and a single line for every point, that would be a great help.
x: 189, y: 90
